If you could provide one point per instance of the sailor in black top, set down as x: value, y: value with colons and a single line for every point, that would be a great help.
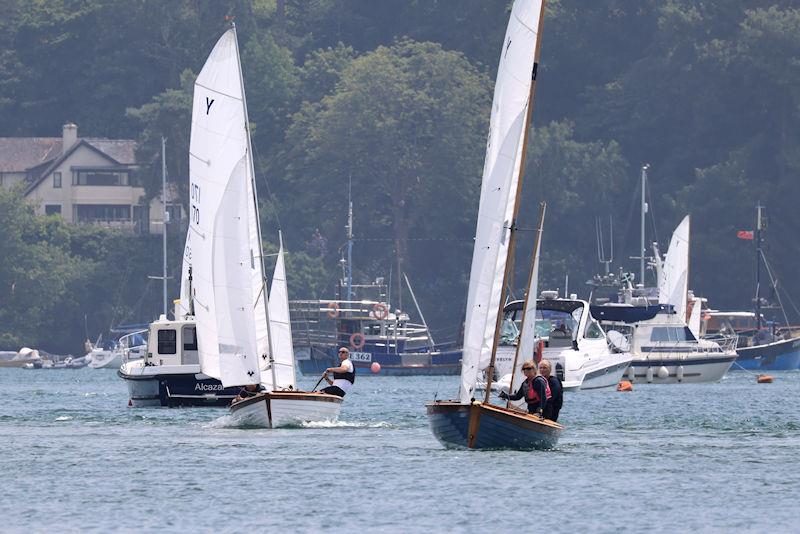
x: 534, y: 389
x: 344, y: 376
x: 556, y: 389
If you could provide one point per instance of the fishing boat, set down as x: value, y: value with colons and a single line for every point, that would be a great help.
x: 362, y: 318
x: 237, y: 341
x: 466, y: 422
x: 665, y: 349
x: 760, y: 345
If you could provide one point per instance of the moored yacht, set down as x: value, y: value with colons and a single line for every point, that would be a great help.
x: 664, y: 348
x: 583, y: 357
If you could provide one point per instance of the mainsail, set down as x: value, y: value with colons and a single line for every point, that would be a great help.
x: 280, y: 330
x: 498, y: 188
x: 219, y: 247
x: 674, y: 284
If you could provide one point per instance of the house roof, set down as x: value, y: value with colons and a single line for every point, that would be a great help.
x: 18, y: 154
x: 22, y: 154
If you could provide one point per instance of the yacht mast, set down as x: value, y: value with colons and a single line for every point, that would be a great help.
x: 644, y: 212
x: 255, y: 202
x: 166, y: 220
x: 534, y: 258
x: 512, y: 226
x: 759, y: 208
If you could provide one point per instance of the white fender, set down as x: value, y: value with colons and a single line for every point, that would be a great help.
x: 649, y: 375
x: 663, y: 372
x: 631, y: 373
x: 680, y: 373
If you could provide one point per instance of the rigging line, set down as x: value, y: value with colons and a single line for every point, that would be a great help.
x: 774, y: 286
x: 789, y: 298
x: 270, y: 197
x: 631, y: 209
x: 651, y: 211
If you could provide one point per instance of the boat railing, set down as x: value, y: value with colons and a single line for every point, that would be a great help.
x: 720, y: 344
x: 124, y: 344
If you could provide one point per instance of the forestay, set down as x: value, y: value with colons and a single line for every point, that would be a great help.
x: 219, y: 245
x: 674, y: 284
x: 498, y: 189
x: 281, y: 331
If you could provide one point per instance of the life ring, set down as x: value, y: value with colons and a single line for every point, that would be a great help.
x: 357, y: 340
x: 380, y: 311
x: 333, y: 310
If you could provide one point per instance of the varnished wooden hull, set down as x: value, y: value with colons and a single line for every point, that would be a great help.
x: 483, y: 426
x: 286, y: 408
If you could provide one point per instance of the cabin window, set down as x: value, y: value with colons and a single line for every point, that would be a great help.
x: 593, y: 331
x: 189, y: 338
x: 167, y: 341
x: 52, y: 209
x: 57, y: 180
x: 671, y: 333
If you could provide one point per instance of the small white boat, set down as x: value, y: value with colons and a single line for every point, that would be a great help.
x: 129, y: 347
x: 243, y: 334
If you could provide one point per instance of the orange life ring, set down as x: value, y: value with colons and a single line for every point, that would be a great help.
x: 333, y: 310
x: 357, y: 340
x: 380, y: 311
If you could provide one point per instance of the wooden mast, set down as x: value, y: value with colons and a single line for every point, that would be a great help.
x: 534, y: 257
x: 512, y: 228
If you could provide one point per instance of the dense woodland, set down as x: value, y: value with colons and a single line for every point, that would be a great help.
x: 390, y: 101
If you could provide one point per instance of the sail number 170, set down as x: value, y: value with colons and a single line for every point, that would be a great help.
x: 194, y: 195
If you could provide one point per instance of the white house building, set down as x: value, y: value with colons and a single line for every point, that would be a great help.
x: 84, y: 180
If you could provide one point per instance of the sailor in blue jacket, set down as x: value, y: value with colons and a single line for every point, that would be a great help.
x: 534, y: 389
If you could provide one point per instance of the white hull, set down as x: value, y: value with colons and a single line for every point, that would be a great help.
x: 105, y: 359
x: 284, y: 410
x: 597, y: 374
x: 677, y: 371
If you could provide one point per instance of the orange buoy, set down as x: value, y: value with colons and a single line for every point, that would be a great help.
x: 375, y: 367
x: 764, y: 379
x: 624, y: 385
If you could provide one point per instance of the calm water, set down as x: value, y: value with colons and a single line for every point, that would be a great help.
x: 713, y: 457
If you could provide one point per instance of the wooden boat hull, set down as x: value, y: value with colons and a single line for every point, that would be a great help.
x: 286, y: 408
x: 484, y: 426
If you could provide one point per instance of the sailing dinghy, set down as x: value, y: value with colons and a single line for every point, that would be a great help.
x: 238, y: 343
x: 466, y: 422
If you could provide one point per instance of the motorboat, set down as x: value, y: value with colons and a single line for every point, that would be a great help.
x: 581, y: 353
x: 132, y: 346
x: 169, y: 373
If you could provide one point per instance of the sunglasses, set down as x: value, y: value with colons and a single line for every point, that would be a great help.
x: 527, y: 368
x: 342, y: 352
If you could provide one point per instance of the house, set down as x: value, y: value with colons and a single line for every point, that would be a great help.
x: 84, y: 180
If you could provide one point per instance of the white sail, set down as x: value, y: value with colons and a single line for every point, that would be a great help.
x: 527, y: 338
x: 498, y: 188
x: 674, y: 284
x: 281, y: 331
x: 218, y: 245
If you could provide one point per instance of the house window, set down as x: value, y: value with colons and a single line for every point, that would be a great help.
x: 100, y: 177
x: 52, y: 209
x: 102, y: 212
x: 57, y: 180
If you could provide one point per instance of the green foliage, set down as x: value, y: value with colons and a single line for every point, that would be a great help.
x: 393, y: 97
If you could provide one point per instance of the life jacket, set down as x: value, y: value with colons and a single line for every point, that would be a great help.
x: 350, y: 377
x: 531, y: 397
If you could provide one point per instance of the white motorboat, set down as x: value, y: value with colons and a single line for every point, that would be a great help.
x: 131, y: 346
x: 665, y: 349
x: 581, y: 353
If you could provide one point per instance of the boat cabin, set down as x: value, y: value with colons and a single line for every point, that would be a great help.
x: 559, y: 322
x: 172, y: 342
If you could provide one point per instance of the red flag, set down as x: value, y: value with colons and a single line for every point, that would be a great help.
x: 745, y: 234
